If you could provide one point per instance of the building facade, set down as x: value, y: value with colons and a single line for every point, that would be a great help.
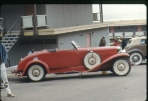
x: 57, y: 15
x: 63, y: 23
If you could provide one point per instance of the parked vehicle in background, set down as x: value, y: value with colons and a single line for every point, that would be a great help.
x: 136, y: 48
x: 78, y: 59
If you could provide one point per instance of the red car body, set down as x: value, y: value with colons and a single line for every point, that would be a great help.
x: 63, y: 61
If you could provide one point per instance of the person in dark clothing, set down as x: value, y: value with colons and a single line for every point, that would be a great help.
x: 102, y: 42
x: 123, y: 43
x: 133, y: 36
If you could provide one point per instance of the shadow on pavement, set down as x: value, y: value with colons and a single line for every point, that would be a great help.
x: 69, y: 76
x: 16, y: 79
x: 143, y: 63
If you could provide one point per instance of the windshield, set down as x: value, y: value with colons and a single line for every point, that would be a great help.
x: 129, y: 42
x: 75, y: 45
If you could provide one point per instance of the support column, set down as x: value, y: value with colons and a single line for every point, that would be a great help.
x: 123, y: 34
x: 35, y: 21
x: 3, y: 26
x: 145, y: 33
x: 21, y: 24
x: 101, y: 13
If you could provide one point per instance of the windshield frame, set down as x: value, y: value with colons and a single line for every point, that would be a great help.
x: 75, y: 45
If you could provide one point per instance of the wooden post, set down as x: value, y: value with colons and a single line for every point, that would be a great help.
x: 123, y: 34
x: 35, y: 21
x: 133, y: 33
x: 101, y: 13
x: 113, y: 35
x: 21, y: 24
x: 46, y: 21
x: 10, y: 32
x: 3, y: 26
x: 145, y: 33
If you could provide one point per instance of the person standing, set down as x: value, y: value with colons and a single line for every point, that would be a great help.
x: 102, y: 42
x: 119, y: 41
x: 133, y: 36
x: 32, y: 51
x: 3, y: 58
x: 116, y: 43
x: 123, y: 43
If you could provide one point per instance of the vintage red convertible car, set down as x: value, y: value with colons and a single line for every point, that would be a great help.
x: 79, y: 59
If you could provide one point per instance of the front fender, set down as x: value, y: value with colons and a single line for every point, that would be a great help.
x: 33, y: 62
x: 109, y: 59
x: 136, y: 50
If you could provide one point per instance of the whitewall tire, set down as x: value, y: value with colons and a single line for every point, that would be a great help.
x: 121, y: 67
x: 36, y: 72
x: 91, y: 60
x: 136, y: 58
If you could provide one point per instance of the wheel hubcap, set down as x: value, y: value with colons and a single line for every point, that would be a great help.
x: 92, y: 61
x: 36, y: 72
x: 121, y: 67
x: 135, y: 58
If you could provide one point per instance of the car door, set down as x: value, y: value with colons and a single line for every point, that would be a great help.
x: 143, y: 46
x: 69, y: 58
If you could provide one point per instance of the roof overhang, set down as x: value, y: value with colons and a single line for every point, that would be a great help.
x: 56, y: 31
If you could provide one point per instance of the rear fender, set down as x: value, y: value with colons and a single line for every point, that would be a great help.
x: 109, y: 59
x: 136, y: 50
x: 35, y: 62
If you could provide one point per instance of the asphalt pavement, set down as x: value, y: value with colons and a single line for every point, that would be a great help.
x: 71, y: 87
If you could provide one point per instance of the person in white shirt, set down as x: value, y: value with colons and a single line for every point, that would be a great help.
x: 32, y: 51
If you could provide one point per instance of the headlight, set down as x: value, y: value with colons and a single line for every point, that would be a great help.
x: 119, y: 49
x: 123, y: 51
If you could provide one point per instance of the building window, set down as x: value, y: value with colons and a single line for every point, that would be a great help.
x: 25, y: 42
x: 143, y: 41
x: 50, y: 41
x: 37, y: 41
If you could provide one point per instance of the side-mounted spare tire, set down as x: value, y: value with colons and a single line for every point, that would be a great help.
x: 91, y: 60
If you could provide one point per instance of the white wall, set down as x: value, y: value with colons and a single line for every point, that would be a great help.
x: 98, y: 34
x: 64, y: 40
